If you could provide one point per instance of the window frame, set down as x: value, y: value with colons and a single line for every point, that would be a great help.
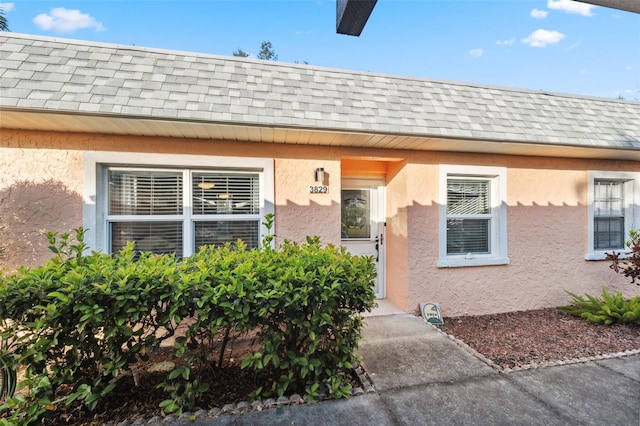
x: 95, y: 207
x: 631, y: 181
x: 497, y: 177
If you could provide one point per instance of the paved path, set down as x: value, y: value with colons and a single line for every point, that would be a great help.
x: 423, y: 378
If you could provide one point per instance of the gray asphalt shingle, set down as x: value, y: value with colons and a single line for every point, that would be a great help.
x: 75, y: 76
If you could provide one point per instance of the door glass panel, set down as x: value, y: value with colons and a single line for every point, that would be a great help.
x: 356, y: 213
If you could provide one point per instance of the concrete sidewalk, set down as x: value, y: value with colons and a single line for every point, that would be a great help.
x: 423, y: 378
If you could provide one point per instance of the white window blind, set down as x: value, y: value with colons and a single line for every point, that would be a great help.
x: 145, y: 192
x: 217, y: 193
x: 468, y: 216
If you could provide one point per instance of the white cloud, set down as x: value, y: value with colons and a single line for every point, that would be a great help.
x: 539, y: 14
x: 543, y: 38
x: 628, y: 68
x: 476, y: 53
x: 570, y: 6
x: 506, y: 42
x: 7, y: 7
x: 66, y: 20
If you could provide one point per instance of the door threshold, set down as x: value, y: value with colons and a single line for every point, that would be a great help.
x: 385, y: 307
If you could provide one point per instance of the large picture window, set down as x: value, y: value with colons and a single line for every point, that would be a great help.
x: 473, y: 216
x: 168, y: 209
x: 155, y: 209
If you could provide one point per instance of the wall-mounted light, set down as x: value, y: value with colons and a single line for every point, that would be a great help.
x: 319, y: 174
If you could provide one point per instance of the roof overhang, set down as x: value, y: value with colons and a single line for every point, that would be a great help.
x: 352, y: 15
x: 626, y: 5
x: 143, y: 126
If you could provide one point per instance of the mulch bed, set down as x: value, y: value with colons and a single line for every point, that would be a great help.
x: 522, y: 338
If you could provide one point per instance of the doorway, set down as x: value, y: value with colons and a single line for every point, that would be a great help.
x: 363, y: 223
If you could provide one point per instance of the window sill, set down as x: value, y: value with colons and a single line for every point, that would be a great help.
x: 597, y: 255
x: 478, y: 261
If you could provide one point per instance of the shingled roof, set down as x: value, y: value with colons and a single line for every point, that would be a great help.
x: 125, y: 89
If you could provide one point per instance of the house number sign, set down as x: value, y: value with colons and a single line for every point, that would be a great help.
x: 318, y: 189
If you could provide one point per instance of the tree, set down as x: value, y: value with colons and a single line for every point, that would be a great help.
x: 4, y: 25
x: 266, y: 52
x: 241, y: 53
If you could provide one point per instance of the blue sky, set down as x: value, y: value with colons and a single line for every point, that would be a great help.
x: 550, y: 45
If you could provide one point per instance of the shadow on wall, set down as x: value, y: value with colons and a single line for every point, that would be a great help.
x: 295, y: 221
x: 29, y: 210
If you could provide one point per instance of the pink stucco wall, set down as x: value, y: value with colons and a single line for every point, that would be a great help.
x: 397, y: 251
x: 295, y: 205
x: 547, y: 238
x: 41, y: 183
x: 40, y: 191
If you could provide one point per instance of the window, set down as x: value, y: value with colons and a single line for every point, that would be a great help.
x: 612, y: 213
x: 168, y: 209
x: 473, y: 216
x: 608, y: 214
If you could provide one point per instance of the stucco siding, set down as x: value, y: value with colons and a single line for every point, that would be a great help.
x: 41, y: 189
x: 397, y: 251
x: 300, y: 213
x: 547, y: 241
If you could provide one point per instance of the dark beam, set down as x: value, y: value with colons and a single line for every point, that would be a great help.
x: 628, y: 5
x: 352, y: 15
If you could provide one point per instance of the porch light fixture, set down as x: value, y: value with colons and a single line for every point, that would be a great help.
x: 319, y: 174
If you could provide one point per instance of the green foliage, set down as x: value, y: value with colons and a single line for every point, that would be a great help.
x: 81, y: 320
x: 8, y: 373
x: 4, y: 25
x: 629, y: 263
x: 241, y: 53
x: 267, y: 52
x: 609, y: 309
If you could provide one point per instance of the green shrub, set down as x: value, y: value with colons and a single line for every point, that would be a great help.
x: 303, y: 302
x: 81, y: 320
x: 610, y: 309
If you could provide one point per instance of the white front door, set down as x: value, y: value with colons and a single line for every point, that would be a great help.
x: 363, y: 223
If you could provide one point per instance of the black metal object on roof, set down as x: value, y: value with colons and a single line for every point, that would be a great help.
x: 352, y: 15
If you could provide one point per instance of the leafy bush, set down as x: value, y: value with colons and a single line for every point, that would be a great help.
x: 610, y: 309
x: 629, y: 263
x: 301, y: 300
x: 81, y: 320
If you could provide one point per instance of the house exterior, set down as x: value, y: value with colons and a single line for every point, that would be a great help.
x: 483, y: 199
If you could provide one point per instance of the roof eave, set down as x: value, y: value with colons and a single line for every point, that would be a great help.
x: 168, y: 127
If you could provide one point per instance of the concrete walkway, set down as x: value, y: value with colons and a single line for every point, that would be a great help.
x: 423, y: 378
